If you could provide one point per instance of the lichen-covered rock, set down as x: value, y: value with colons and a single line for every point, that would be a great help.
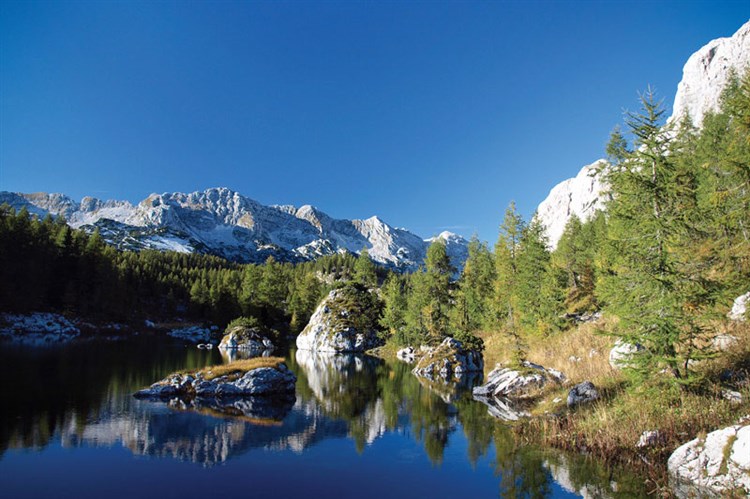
x: 622, y: 353
x: 715, y: 466
x: 261, y: 381
x: 582, y: 393
x: 345, y: 321
x: 449, y: 361
x: 246, y: 338
x: 526, y: 382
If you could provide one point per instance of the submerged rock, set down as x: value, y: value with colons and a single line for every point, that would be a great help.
x: 582, y: 393
x: 260, y: 381
x: 246, y: 338
x: 449, y: 361
x: 527, y: 382
x: 345, y: 321
x: 716, y: 465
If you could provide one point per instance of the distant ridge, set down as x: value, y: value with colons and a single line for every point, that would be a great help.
x: 225, y: 223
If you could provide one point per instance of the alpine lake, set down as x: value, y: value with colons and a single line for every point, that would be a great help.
x: 358, y: 427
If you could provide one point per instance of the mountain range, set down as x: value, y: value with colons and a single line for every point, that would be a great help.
x: 225, y: 223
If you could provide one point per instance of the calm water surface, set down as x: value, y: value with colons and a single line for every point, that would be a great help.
x: 359, y: 427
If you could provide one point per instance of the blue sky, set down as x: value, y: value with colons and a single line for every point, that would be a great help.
x: 432, y: 115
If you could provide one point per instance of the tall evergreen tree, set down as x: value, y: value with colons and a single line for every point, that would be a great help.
x: 364, y: 270
x: 652, y: 289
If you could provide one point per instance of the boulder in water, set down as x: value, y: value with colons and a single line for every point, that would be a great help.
x: 449, y: 361
x: 345, y: 321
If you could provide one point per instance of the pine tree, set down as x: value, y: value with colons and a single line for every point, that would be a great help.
x: 394, y: 309
x: 364, y: 270
x: 507, y: 249
x: 653, y: 289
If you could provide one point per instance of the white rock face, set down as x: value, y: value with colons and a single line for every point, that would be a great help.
x: 707, y: 71
x: 225, y: 223
x: 581, y: 195
x: 714, y: 466
x: 705, y: 76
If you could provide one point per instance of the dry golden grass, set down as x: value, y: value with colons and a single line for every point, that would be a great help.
x: 581, y: 353
x: 238, y: 367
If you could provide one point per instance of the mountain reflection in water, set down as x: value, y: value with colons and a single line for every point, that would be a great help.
x: 79, y: 396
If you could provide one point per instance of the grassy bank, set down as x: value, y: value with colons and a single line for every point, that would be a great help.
x: 236, y: 368
x: 610, y: 428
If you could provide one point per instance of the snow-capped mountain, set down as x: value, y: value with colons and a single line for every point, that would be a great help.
x: 222, y: 222
x: 704, y: 77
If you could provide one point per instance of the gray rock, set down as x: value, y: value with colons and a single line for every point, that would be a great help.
x: 582, y: 393
x: 263, y: 381
x: 714, y: 466
x: 246, y: 339
x: 622, y: 353
x: 449, y: 361
x: 512, y: 383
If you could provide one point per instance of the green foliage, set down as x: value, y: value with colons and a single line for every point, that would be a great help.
x: 364, y: 270
x: 655, y: 288
x: 355, y: 306
x: 393, y: 320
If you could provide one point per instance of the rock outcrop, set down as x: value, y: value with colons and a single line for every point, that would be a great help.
x: 260, y: 381
x: 345, y: 321
x: 246, y: 338
x: 716, y: 465
x: 449, y: 361
x: 526, y: 382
